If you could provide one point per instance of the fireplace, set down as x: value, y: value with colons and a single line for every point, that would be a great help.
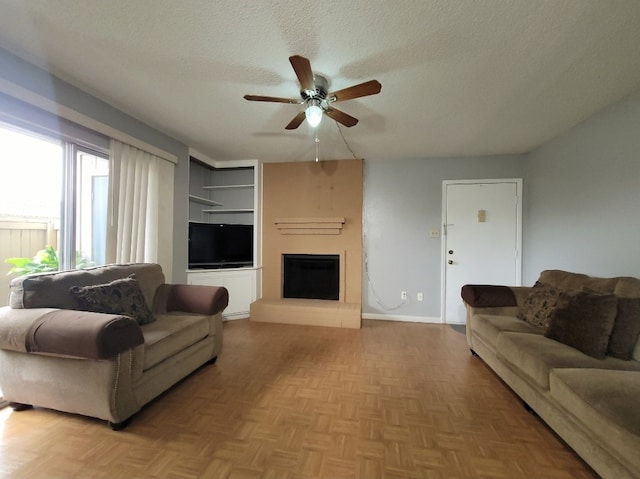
x: 311, y: 276
x: 311, y: 211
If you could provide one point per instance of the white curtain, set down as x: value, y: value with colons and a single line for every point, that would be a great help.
x: 138, y: 183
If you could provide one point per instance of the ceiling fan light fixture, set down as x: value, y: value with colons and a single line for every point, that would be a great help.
x: 313, y: 113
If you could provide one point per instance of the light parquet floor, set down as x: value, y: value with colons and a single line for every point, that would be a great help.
x: 392, y: 400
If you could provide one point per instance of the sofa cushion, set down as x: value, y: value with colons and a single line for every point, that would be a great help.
x: 568, y: 281
x: 51, y: 290
x: 627, y: 287
x: 606, y: 403
x: 170, y: 333
x: 626, y: 328
x: 584, y: 321
x: 539, y: 305
x: 120, y: 296
x: 535, y: 356
x: 489, y: 326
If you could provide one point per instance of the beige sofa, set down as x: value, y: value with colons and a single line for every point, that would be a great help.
x: 592, y: 404
x: 57, y: 352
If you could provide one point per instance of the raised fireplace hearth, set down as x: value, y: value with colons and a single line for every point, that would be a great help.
x: 311, y: 276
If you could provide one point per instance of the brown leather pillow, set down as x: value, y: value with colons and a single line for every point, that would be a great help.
x: 584, y: 321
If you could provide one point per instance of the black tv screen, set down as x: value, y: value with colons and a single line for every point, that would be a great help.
x: 215, y: 245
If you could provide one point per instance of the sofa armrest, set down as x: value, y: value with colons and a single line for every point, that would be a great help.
x: 488, y: 296
x: 82, y: 334
x: 192, y: 298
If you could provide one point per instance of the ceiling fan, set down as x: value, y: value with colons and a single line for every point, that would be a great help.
x: 313, y: 93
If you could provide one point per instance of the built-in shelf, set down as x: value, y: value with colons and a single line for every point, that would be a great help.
x: 227, y: 192
x: 226, y: 187
x: 216, y: 192
x: 204, y: 201
x: 232, y: 210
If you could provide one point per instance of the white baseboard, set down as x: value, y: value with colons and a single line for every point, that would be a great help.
x: 410, y: 319
x: 233, y: 316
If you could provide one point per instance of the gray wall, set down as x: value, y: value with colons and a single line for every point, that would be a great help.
x: 583, y: 197
x: 41, y: 82
x: 402, y: 202
x: 580, y: 211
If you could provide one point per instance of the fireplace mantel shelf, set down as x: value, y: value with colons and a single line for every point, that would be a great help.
x: 310, y: 226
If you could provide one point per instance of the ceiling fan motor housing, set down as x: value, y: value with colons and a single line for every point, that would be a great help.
x: 321, y: 85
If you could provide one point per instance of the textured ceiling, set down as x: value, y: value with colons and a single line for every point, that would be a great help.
x: 459, y: 77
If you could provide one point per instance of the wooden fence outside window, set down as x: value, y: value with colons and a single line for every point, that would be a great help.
x: 21, y: 237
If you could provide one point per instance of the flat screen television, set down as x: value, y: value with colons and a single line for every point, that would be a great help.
x: 216, y: 245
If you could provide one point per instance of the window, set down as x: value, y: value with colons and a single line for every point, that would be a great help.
x: 84, y: 211
x: 53, y: 195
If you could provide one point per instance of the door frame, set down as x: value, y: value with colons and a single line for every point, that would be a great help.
x: 443, y: 256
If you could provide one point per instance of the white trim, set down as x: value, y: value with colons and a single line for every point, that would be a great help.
x: 443, y: 239
x: 67, y: 113
x: 235, y: 316
x: 222, y: 163
x: 408, y: 319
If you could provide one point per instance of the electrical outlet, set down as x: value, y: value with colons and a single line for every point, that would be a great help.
x: 403, y: 295
x: 420, y: 297
x: 434, y: 233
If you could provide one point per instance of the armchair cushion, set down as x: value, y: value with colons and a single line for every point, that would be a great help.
x: 51, y: 290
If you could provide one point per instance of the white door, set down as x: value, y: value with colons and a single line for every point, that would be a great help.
x: 481, y: 242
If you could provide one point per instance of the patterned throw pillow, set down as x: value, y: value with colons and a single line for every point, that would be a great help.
x: 122, y: 296
x: 540, y: 305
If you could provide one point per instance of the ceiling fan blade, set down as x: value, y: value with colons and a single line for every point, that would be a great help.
x: 371, y: 87
x: 302, y: 67
x: 340, y: 117
x: 296, y: 122
x: 271, y: 99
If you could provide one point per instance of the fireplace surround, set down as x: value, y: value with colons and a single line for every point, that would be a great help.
x: 311, y: 209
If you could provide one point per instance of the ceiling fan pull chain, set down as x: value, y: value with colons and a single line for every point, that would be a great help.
x: 317, y: 141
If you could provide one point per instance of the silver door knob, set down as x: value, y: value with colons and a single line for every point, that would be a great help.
x: 450, y: 261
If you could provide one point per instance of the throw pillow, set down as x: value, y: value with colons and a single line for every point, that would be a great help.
x: 122, y: 296
x: 626, y: 329
x: 584, y: 321
x: 539, y: 305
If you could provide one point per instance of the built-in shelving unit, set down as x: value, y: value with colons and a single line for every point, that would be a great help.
x: 227, y: 192
x: 221, y: 194
x: 204, y: 201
